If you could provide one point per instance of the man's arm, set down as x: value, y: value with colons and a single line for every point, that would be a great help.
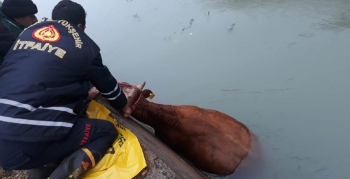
x: 103, y: 80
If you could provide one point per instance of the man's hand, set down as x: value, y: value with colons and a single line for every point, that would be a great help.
x: 126, y: 111
x: 93, y: 93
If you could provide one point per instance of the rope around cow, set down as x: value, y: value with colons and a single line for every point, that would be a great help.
x: 125, y: 84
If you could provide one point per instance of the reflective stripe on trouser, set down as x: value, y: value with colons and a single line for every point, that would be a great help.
x: 95, y: 135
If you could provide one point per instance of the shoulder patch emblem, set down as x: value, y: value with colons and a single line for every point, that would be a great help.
x: 47, y: 34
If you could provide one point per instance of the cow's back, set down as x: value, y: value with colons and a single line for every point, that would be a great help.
x: 213, y: 141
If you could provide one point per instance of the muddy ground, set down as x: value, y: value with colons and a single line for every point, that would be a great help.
x: 13, y: 174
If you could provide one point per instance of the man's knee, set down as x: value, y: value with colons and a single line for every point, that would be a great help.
x: 93, y: 129
x: 112, y: 131
x: 107, y: 128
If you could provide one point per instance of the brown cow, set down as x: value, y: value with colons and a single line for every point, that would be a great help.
x: 213, y: 141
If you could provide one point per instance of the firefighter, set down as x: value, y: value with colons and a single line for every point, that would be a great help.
x: 44, y: 83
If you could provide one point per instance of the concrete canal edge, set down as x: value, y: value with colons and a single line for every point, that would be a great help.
x: 162, y: 162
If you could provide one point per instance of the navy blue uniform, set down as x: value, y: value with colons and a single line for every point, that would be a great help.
x: 44, y: 80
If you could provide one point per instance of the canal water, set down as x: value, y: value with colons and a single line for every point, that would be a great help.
x: 281, y: 67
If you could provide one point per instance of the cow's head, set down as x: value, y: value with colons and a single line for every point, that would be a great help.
x: 135, y: 94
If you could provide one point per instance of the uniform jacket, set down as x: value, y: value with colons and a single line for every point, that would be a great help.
x: 45, y: 76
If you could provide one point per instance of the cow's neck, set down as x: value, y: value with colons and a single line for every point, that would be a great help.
x: 156, y: 115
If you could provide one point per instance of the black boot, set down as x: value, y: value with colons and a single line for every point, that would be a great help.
x: 75, y: 165
x: 42, y: 172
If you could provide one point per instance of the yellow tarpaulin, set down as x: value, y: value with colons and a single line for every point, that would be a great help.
x: 124, y: 160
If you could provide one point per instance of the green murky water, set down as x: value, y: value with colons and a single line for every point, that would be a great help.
x: 281, y: 67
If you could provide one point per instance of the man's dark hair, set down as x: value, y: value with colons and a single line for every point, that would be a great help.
x: 70, y: 11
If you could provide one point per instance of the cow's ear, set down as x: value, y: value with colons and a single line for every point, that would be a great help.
x: 151, y: 96
x: 146, y: 93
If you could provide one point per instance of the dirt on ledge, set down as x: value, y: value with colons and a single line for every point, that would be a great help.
x: 15, y: 174
x: 162, y: 162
